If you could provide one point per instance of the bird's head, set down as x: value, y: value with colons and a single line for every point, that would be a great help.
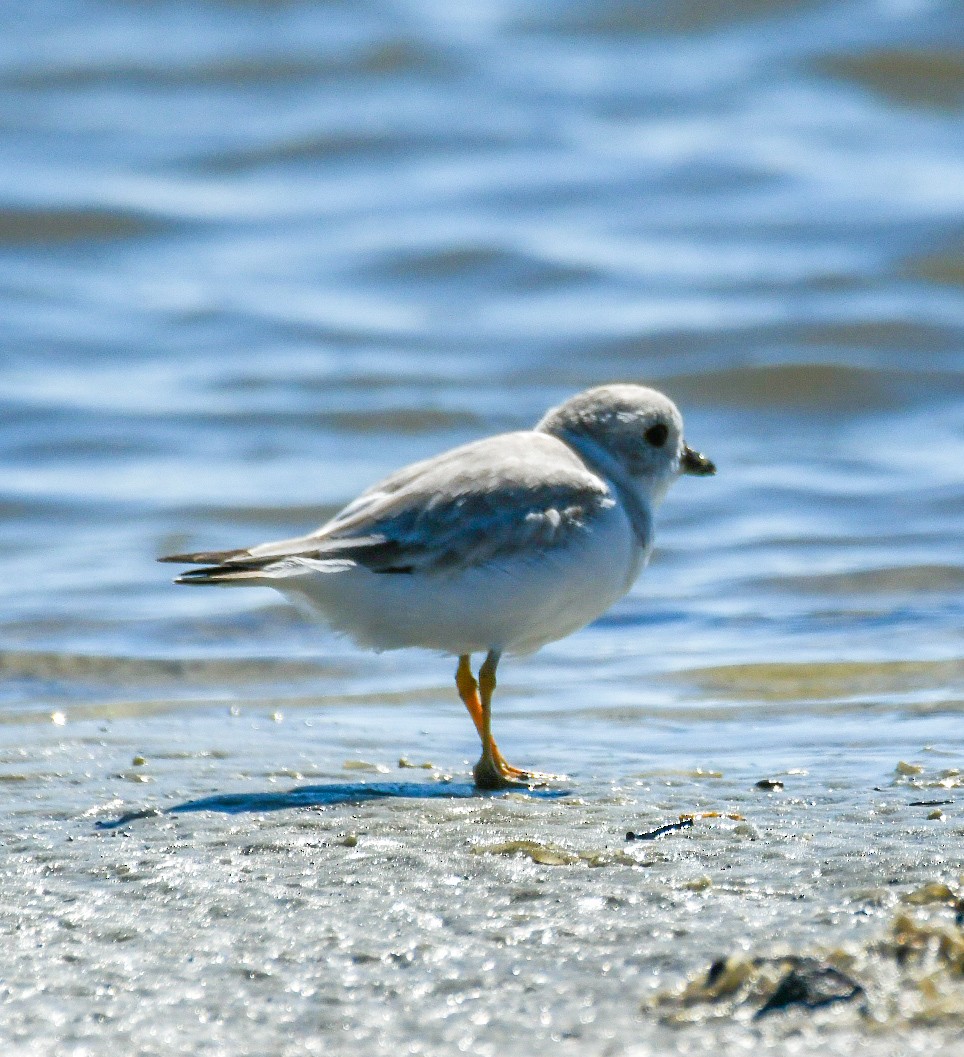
x: 639, y: 429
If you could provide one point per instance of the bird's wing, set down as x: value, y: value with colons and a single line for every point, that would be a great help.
x: 481, y: 503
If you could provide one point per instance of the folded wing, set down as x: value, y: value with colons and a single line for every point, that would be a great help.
x: 478, y: 504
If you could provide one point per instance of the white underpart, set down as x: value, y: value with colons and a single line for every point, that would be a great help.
x: 515, y: 605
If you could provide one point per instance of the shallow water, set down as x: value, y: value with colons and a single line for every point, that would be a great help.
x: 253, y: 256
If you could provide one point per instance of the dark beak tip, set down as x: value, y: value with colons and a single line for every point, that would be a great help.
x: 697, y: 464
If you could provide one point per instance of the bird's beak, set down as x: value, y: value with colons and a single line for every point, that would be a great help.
x: 695, y: 463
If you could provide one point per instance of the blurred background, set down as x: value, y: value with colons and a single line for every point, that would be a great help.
x: 254, y: 255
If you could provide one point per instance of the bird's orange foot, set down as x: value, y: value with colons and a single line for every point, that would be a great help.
x: 493, y: 771
x: 528, y: 777
x: 489, y: 775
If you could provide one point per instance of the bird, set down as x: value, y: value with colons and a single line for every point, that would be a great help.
x: 495, y: 547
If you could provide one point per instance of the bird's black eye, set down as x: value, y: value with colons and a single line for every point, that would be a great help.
x: 656, y: 435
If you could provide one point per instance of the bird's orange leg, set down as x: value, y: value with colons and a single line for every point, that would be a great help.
x: 468, y: 690
x: 492, y: 771
x: 497, y: 772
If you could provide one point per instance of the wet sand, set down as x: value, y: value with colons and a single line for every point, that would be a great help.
x: 301, y: 892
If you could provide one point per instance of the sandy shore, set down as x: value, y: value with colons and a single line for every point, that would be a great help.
x: 351, y: 921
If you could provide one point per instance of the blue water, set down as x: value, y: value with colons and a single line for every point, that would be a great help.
x: 254, y: 256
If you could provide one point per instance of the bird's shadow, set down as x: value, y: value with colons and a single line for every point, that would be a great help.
x: 327, y: 795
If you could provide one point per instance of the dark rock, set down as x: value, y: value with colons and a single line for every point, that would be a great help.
x: 811, y: 984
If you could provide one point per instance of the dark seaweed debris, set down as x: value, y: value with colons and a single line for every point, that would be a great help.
x: 684, y: 823
x: 912, y: 974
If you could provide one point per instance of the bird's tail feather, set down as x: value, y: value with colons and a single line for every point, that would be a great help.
x: 236, y: 569
x: 204, y: 557
x: 219, y: 574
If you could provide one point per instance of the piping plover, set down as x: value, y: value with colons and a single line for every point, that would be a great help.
x: 498, y: 546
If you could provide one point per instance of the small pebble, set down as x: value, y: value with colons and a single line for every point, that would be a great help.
x: 937, y: 814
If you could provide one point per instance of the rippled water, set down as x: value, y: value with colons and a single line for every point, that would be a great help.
x: 255, y: 255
